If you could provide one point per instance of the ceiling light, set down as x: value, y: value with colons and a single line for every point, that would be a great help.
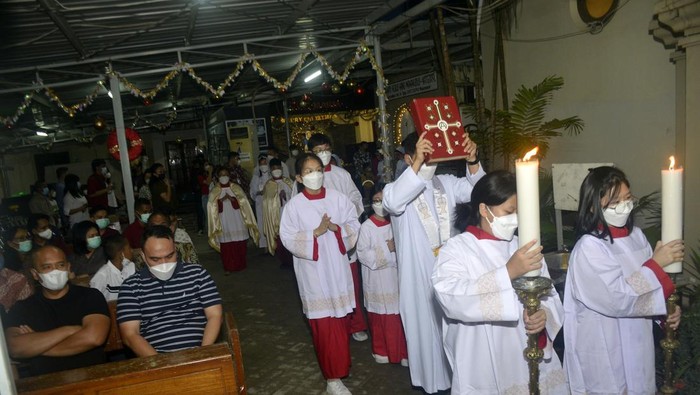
x: 313, y: 75
x: 42, y: 134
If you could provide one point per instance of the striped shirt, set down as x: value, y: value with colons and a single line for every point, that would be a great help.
x: 171, y: 312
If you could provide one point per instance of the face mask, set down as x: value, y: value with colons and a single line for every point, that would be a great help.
x: 378, y: 209
x: 325, y: 157
x: 504, y: 227
x: 269, y: 158
x: 618, y: 215
x: 313, y: 181
x: 264, y: 168
x: 54, y: 280
x: 147, y: 180
x: 295, y: 152
x: 52, y: 194
x: 163, y: 271
x: 277, y: 173
x: 144, y: 217
x: 223, y: 180
x: 45, y: 234
x: 104, y: 171
x: 126, y: 262
x: 108, y: 175
x: 427, y: 172
x: 45, y: 191
x: 94, y: 242
x: 102, y: 223
x: 25, y: 246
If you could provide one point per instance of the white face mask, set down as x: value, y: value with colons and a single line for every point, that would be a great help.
x: 104, y: 171
x: 618, y: 215
x: 427, y: 172
x: 264, y: 168
x: 277, y: 173
x: 325, y: 157
x: 45, y: 234
x: 126, y: 262
x: 295, y: 152
x: 223, y: 180
x: 503, y: 227
x: 379, y: 209
x: 163, y: 271
x: 313, y: 181
x: 54, y: 280
x: 269, y: 158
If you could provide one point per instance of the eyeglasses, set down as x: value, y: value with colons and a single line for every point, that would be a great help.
x: 621, y: 207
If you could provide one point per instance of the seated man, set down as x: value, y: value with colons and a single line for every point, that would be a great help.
x: 62, y: 327
x: 183, y: 242
x: 167, y: 306
x: 100, y: 216
x: 133, y: 232
x: 39, y: 225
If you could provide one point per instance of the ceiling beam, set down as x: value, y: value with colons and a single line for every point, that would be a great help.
x: 50, y: 7
x: 299, y: 12
x: 404, y: 17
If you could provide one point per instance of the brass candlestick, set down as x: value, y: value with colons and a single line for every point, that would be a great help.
x: 529, y: 291
x: 669, y: 344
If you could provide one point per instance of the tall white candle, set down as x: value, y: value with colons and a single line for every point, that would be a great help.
x: 528, y: 190
x: 672, y: 209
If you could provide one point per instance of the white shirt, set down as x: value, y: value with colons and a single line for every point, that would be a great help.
x: 109, y: 279
x: 71, y: 203
x: 380, y: 276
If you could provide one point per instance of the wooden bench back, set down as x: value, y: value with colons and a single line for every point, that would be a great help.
x: 202, y: 370
x: 234, y: 342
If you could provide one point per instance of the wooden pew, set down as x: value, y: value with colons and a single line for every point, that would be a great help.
x: 214, y: 369
x: 202, y: 370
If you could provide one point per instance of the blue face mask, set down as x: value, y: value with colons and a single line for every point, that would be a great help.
x: 144, y: 217
x: 94, y: 242
x: 25, y: 246
x: 45, y: 191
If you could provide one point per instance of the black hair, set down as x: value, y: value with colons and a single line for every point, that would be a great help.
x: 162, y: 211
x: 492, y: 189
x: 94, y: 209
x: 261, y: 157
x: 79, y: 232
x: 71, y: 182
x: 9, y: 234
x: 293, y: 147
x: 157, y: 231
x: 299, y: 164
x: 61, y: 171
x: 140, y: 202
x: 34, y: 219
x: 275, y: 162
x: 218, y: 169
x: 113, y: 245
x: 35, y: 253
x: 409, y: 143
x: 272, y: 148
x: 600, y: 182
x: 233, y: 154
x: 97, y: 163
x: 317, y: 139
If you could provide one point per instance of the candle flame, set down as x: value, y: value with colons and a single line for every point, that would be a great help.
x: 530, y: 154
x: 673, y: 162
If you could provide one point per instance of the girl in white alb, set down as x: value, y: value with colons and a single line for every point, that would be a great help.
x: 380, y: 281
x: 486, y: 328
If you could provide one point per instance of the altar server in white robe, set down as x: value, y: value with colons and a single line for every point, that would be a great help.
x: 615, y: 285
x: 277, y: 192
x: 318, y: 226
x: 335, y: 177
x: 230, y: 221
x: 487, y: 327
x: 422, y: 207
x: 380, y: 281
x: 261, y: 175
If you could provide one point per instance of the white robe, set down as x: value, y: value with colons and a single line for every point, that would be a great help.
x: 257, y: 184
x: 337, y: 178
x: 325, y: 285
x: 609, y: 300
x: 380, y: 275
x: 484, y: 334
x: 233, y: 226
x: 420, y: 313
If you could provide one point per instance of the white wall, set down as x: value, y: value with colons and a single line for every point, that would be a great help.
x: 620, y: 82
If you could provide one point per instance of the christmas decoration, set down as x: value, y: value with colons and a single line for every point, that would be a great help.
x: 132, y: 139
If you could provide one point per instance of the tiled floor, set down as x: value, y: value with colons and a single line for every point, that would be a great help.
x: 277, y: 350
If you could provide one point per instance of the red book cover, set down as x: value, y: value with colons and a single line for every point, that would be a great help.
x: 439, y: 116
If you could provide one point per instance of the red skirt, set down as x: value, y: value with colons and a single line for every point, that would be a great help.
x: 332, y: 345
x: 233, y: 255
x: 388, y: 338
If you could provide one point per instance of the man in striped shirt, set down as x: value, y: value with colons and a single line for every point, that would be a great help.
x: 167, y: 306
